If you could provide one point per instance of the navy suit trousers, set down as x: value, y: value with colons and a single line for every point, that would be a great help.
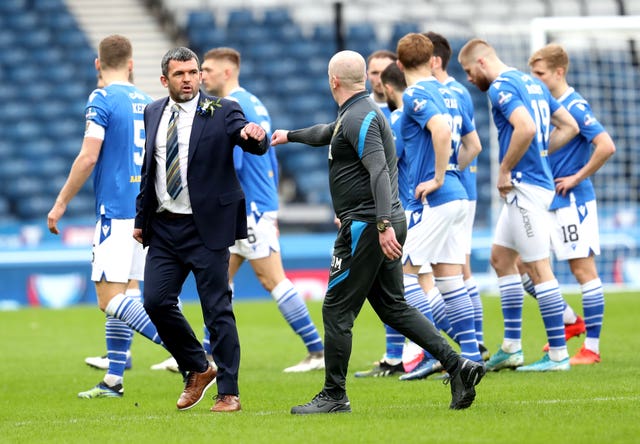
x: 176, y: 249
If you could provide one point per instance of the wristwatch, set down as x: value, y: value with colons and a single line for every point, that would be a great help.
x: 382, y: 225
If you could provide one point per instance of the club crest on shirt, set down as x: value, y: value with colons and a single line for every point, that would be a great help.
x: 504, y: 97
x: 589, y: 120
x: 419, y: 104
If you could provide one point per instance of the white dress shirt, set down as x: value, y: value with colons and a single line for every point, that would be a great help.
x: 187, y: 112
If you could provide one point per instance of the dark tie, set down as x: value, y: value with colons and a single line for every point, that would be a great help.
x: 174, y: 181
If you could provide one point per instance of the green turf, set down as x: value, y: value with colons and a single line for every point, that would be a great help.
x: 42, y: 370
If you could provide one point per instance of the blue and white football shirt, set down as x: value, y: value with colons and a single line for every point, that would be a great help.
x: 118, y: 108
x: 423, y: 101
x: 569, y: 159
x: 468, y: 176
x: 258, y: 175
x: 405, y: 190
x: 510, y: 90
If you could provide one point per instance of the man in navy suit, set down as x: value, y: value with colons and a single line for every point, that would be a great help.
x: 190, y: 209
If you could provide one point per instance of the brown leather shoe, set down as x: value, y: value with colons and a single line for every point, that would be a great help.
x: 226, y: 403
x: 195, y: 388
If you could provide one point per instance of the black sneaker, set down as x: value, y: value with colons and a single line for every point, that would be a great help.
x: 464, y: 379
x: 381, y: 369
x: 323, y: 403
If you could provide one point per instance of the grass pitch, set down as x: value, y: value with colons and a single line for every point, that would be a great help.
x: 42, y: 369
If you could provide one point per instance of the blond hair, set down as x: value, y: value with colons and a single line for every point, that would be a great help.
x: 553, y: 54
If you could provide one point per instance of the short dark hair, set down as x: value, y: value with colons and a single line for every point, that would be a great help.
x: 382, y: 54
x: 441, y: 47
x: 181, y: 54
x: 392, y: 75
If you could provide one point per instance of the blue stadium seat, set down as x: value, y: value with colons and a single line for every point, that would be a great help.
x: 360, y: 32
x: 365, y: 47
x: 308, y: 103
x: 200, y: 20
x: 83, y: 57
x: 60, y: 21
x: 5, y: 206
x: 61, y: 73
x: 293, y: 85
x: 279, y: 71
x: 286, y: 34
x: 256, y: 35
x: 34, y: 207
x: 277, y: 17
x: 69, y: 147
x: 47, y: 56
x: 248, y: 68
x: 23, y: 22
x: 38, y: 149
x: 14, y: 111
x: 25, y: 130
x: 324, y: 32
x: 10, y: 7
x: 82, y: 205
x: 38, y: 38
x: 314, y: 185
x: 65, y: 129
x: 303, y: 50
x: 71, y: 39
x: 205, y: 39
x: 15, y: 57
x: 257, y: 85
x: 74, y: 92
x: 241, y: 19
x: 264, y: 51
x: 284, y: 121
x: 303, y: 159
x: 49, y: 6
x: 7, y: 39
x: 400, y: 29
x: 25, y: 186
x: 13, y: 168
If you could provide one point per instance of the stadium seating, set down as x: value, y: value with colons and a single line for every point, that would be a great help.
x: 44, y: 54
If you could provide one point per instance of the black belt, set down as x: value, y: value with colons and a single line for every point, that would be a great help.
x: 169, y: 215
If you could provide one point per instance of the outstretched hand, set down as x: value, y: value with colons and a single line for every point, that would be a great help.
x: 279, y: 137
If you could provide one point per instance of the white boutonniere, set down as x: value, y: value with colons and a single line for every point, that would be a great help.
x: 208, y: 107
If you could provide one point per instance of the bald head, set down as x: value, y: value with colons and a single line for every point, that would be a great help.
x: 350, y: 69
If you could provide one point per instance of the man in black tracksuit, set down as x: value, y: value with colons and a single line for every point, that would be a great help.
x: 363, y: 178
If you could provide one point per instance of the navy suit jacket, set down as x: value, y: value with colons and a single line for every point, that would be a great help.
x: 217, y: 200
